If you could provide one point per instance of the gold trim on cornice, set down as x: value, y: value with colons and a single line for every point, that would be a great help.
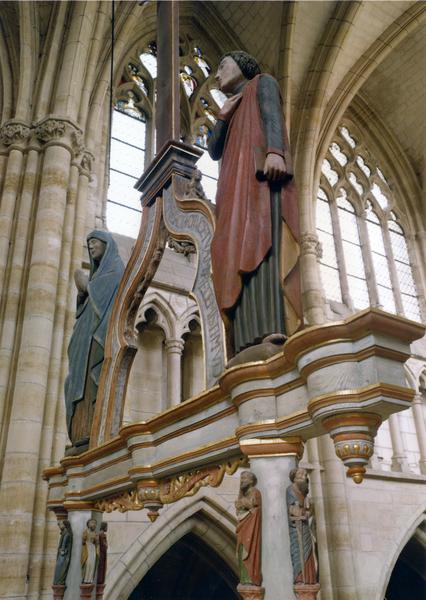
x: 265, y: 369
x: 177, y: 413
x: 49, y: 472
x: 267, y: 392
x: 258, y: 447
x: 370, y: 320
x: 272, y: 424
x: 123, y: 480
x: 100, y: 467
x: 78, y: 505
x: 361, y: 395
x: 222, y: 444
x: 188, y: 429
x: 327, y: 361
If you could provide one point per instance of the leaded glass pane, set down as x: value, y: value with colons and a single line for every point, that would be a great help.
x: 123, y: 220
x: 331, y: 283
x: 121, y: 190
x: 328, y: 249
x: 343, y: 202
x: 336, y: 151
x: 348, y: 137
x: 379, y: 196
x: 365, y: 168
x: 127, y: 159
x: 128, y: 129
x: 356, y: 184
x: 371, y: 215
x: 348, y: 226
x: 210, y: 170
x: 411, y: 307
x: 381, y: 270
x: 353, y: 259
x: 399, y: 247
x: 376, y: 238
x: 359, y: 292
x: 393, y: 226
x: 405, y: 278
x: 386, y: 299
x: 324, y: 216
x: 330, y: 173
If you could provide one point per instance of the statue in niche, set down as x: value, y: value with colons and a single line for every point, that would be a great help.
x: 103, y: 549
x: 63, y: 556
x: 96, y: 294
x: 300, y: 520
x: 249, y: 530
x: 89, y: 552
x: 257, y: 286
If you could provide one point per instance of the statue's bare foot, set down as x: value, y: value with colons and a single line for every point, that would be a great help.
x: 270, y: 345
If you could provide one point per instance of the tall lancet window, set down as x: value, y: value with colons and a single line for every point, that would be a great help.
x: 366, y: 260
x: 133, y: 130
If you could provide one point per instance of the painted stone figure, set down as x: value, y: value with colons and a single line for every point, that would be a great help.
x: 300, y: 513
x: 89, y: 552
x: 257, y: 286
x: 63, y: 555
x: 103, y: 549
x: 249, y: 530
x: 96, y: 294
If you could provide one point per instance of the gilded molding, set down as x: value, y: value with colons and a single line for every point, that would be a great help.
x: 159, y: 492
x: 288, y: 446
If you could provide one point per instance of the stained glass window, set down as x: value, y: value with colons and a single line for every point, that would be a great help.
x: 360, y: 232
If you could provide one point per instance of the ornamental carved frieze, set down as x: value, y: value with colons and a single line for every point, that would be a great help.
x: 14, y: 132
x: 153, y: 494
x: 310, y: 244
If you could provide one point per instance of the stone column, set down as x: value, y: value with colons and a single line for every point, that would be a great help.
x: 78, y: 518
x: 174, y: 349
x: 312, y: 294
x: 399, y: 458
x: 271, y: 460
x: 339, y: 532
x: 419, y: 423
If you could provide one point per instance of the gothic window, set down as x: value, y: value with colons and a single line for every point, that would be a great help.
x: 133, y: 129
x: 366, y: 257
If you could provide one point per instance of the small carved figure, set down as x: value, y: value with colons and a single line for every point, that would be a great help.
x: 103, y: 549
x: 89, y: 552
x: 195, y: 188
x: 63, y: 555
x: 96, y: 294
x: 300, y: 516
x: 249, y: 530
x: 257, y: 286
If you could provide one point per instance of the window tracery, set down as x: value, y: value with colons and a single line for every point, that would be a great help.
x: 366, y: 257
x: 133, y: 129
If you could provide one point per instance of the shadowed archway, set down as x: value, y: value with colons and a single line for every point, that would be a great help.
x: 189, y: 570
x: 408, y: 579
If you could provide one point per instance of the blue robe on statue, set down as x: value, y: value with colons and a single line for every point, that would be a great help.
x: 86, y: 347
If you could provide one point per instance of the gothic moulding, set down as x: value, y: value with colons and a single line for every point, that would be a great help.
x: 153, y: 494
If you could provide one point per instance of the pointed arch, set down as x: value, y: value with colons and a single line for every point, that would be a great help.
x: 404, y: 535
x: 206, y: 516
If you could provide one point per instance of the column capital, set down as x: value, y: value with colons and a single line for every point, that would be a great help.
x: 310, y: 244
x: 174, y: 346
x: 264, y: 447
x: 14, y: 132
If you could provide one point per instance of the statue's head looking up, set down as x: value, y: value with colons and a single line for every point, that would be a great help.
x: 234, y: 69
